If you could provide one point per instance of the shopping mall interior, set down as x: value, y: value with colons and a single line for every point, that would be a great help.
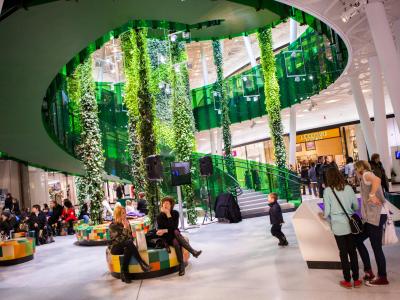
x: 199, y: 149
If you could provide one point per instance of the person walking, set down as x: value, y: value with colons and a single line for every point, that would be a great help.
x: 378, y: 169
x: 276, y: 219
x: 374, y: 216
x: 337, y: 190
x: 312, y: 175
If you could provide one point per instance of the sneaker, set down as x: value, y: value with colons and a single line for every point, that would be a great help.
x: 345, y: 284
x: 357, y: 283
x: 378, y: 281
x: 369, y: 275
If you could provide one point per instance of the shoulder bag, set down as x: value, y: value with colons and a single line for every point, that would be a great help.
x: 355, y: 222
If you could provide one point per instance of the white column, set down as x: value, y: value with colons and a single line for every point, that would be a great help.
x: 1, y: 4
x: 212, y: 141
x: 293, y: 31
x: 388, y: 57
x: 362, y: 110
x: 378, y: 98
x: 249, y: 50
x: 219, y: 141
x: 292, y: 136
x: 361, y: 146
x: 396, y: 32
x: 204, y: 66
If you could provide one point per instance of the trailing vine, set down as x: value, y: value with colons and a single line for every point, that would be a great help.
x: 146, y: 108
x: 128, y: 45
x: 219, y: 87
x: 272, y: 98
x: 183, y: 120
x: 90, y: 149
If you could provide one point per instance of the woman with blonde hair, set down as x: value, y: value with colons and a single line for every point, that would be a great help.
x: 374, y: 216
x: 122, y: 243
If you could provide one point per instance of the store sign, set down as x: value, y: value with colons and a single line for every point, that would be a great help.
x: 318, y: 135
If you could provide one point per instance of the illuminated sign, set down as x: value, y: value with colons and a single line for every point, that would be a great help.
x: 318, y: 135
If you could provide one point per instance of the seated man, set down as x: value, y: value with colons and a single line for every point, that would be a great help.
x: 142, y: 204
x: 55, y: 217
x: 37, y: 222
x: 8, y: 222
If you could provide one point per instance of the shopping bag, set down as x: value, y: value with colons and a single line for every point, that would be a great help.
x: 389, y: 233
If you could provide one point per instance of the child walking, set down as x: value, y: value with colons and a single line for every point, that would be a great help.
x: 276, y: 219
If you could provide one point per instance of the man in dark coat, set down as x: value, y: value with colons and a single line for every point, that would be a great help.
x: 56, y: 212
x: 8, y: 203
x: 319, y: 169
x: 37, y: 221
x: 276, y: 219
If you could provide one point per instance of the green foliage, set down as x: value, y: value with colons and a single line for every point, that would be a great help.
x: 183, y: 120
x: 90, y: 150
x: 272, y: 101
x: 73, y: 92
x: 146, y: 108
x: 219, y: 87
x: 129, y: 48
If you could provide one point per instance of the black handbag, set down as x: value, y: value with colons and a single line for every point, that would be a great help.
x: 355, y: 222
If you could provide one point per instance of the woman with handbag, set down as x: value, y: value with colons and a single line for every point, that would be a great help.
x: 374, y: 216
x: 339, y: 204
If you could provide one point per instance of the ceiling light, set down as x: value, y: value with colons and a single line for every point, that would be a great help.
x: 332, y: 101
x: 353, y: 10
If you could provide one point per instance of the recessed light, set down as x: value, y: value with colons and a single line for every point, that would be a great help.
x: 332, y: 101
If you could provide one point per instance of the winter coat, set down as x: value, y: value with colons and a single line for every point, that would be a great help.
x: 69, y: 215
x: 275, y: 213
x: 39, y: 219
x: 171, y: 224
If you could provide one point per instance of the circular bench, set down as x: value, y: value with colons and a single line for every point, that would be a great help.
x: 88, y: 235
x: 16, y: 251
x: 160, y: 261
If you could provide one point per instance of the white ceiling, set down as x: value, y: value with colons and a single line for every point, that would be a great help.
x: 335, y: 105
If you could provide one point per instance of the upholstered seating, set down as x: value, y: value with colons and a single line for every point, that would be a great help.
x: 160, y: 260
x: 16, y: 251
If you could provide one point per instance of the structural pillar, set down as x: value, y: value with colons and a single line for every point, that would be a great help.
x: 378, y: 98
x: 293, y: 31
x: 361, y: 145
x: 292, y: 136
x: 388, y: 57
x: 212, y: 142
x: 219, y: 141
x: 249, y: 50
x: 204, y: 66
x: 1, y: 5
x: 366, y: 124
x: 396, y: 32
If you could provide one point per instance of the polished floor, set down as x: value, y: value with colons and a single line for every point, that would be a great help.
x: 240, y: 261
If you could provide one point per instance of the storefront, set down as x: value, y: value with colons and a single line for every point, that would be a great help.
x: 336, y: 143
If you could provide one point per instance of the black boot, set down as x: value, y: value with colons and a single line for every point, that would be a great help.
x: 182, y: 269
x: 145, y: 267
x: 125, y: 277
x: 185, y: 244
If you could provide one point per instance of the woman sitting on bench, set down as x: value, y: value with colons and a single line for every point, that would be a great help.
x: 167, y: 222
x: 122, y: 243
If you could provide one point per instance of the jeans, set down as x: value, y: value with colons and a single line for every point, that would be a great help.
x: 374, y: 233
x: 347, y: 249
x: 85, y: 219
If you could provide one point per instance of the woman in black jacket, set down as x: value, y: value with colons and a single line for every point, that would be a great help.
x: 122, y: 243
x: 37, y: 221
x: 8, y: 222
x: 167, y: 222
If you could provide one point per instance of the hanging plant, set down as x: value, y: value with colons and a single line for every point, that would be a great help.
x: 129, y: 48
x: 90, y: 150
x: 219, y: 88
x: 146, y: 108
x: 183, y: 120
x: 272, y: 99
